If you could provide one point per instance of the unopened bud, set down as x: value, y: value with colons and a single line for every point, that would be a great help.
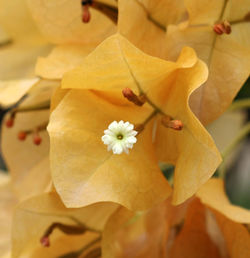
x: 223, y: 27
x: 86, y: 14
x: 218, y: 29
x: 173, y: 124
x: 37, y: 139
x: 45, y: 241
x: 10, y: 122
x: 85, y: 10
x: 227, y: 27
x: 67, y: 229
x: 131, y: 96
x: 22, y: 136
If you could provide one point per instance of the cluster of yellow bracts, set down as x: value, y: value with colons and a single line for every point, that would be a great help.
x: 68, y: 69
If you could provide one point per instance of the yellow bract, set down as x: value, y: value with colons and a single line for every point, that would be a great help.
x: 12, y: 91
x: 38, y: 213
x: 149, y: 31
x: 62, y: 59
x: 227, y: 56
x: 8, y: 202
x: 92, y: 174
x: 61, y: 22
x: 147, y: 23
x: 78, y: 122
x: 27, y: 163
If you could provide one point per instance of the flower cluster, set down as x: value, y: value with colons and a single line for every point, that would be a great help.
x: 105, y: 134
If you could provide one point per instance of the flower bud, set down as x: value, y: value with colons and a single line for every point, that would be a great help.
x: 22, y: 136
x: 10, y: 122
x: 173, y: 124
x: 218, y: 29
x: 37, y: 139
x: 132, y: 97
x: 45, y: 241
x: 86, y: 14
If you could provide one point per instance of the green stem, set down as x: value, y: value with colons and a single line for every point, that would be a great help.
x: 228, y: 150
x: 150, y: 18
x: 5, y: 43
x: 240, y: 104
x: 86, y: 247
x: 40, y: 106
x: 154, y: 113
x: 242, y: 134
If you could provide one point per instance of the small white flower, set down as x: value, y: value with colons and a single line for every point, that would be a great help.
x: 119, y: 137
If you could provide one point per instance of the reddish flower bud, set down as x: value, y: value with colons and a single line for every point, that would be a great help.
x: 45, y: 241
x: 131, y: 96
x: 10, y: 122
x: 37, y: 139
x: 173, y: 124
x: 22, y: 136
x: 218, y: 29
x: 227, y: 27
x: 86, y: 14
x: 223, y: 27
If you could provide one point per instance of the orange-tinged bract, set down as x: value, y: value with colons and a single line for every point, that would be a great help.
x: 78, y: 122
x: 189, y: 230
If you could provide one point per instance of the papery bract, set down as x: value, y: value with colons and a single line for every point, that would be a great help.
x: 78, y: 122
x: 40, y: 212
x: 227, y: 56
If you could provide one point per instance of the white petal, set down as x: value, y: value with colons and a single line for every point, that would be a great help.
x: 133, y: 133
x: 113, y: 126
x: 117, y: 149
x: 107, y: 139
x: 130, y: 127
x: 131, y: 139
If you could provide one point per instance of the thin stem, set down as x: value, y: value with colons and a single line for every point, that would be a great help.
x: 110, y: 11
x: 150, y: 18
x: 39, y: 106
x: 228, y: 150
x: 223, y: 9
x: 154, y: 113
x: 86, y: 247
x: 242, y: 134
x: 215, y: 35
x: 76, y: 254
x: 6, y: 42
x: 240, y: 104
